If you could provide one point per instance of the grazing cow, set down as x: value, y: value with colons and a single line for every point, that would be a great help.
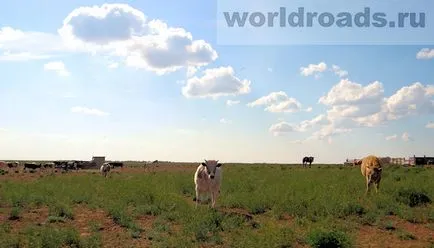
x: 48, y: 165
x: 116, y: 164
x: 32, y: 166
x: 307, y: 160
x: 13, y: 164
x: 105, y: 169
x: 207, y: 179
x: 371, y: 169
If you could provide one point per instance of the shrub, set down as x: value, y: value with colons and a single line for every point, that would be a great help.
x: 323, y: 239
x: 413, y: 197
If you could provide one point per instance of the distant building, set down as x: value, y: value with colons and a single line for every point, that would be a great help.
x: 98, y: 160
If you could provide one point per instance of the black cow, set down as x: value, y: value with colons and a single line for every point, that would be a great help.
x: 13, y: 164
x: 48, y: 165
x: 116, y: 164
x: 307, y: 160
x: 32, y: 166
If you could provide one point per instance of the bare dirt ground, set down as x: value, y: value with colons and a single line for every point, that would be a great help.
x: 113, y: 235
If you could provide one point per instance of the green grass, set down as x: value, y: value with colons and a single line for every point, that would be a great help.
x: 327, y: 206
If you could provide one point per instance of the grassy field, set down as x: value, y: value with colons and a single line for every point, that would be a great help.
x: 260, y: 206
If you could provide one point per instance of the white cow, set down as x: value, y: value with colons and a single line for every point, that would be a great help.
x: 207, y: 179
x: 105, y: 169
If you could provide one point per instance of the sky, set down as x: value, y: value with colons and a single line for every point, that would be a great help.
x: 147, y: 80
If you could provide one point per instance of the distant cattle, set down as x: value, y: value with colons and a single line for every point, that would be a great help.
x: 48, y: 165
x: 307, y: 160
x: 116, y: 164
x: 371, y: 169
x: 105, y: 169
x: 32, y: 166
x: 207, y: 179
x: 13, y: 164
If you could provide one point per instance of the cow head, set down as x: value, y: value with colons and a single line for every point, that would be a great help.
x: 378, y: 169
x: 211, y: 167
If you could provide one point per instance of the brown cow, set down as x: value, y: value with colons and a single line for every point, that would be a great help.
x: 371, y: 169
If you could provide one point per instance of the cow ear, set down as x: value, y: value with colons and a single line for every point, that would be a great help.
x: 204, y: 164
x: 219, y: 164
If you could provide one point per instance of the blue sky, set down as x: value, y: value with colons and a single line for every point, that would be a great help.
x: 74, y: 86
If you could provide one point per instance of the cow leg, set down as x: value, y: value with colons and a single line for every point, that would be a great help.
x: 377, y: 186
x: 213, y: 195
x: 197, y: 196
x: 367, y: 185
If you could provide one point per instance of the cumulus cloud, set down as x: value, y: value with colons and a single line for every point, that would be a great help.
x: 19, y: 45
x: 284, y: 127
x: 103, y: 24
x: 313, y: 69
x: 414, y: 99
x: 347, y: 92
x: 216, y: 83
x: 277, y: 102
x: 225, y: 121
x: 327, y: 132
x: 113, y: 65
x: 406, y: 137
x: 352, y: 105
x: 124, y: 31
x: 392, y: 137
x: 22, y: 56
x: 430, y: 125
x: 281, y: 128
x: 88, y: 111
x: 425, y: 53
x: 338, y: 71
x: 58, y: 67
x: 232, y: 102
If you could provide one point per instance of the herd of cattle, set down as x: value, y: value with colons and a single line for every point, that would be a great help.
x: 63, y: 165
x: 208, y: 175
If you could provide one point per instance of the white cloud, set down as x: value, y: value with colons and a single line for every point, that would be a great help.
x: 57, y: 66
x: 406, y: 137
x: 113, y: 65
x: 283, y: 127
x: 269, y: 69
x: 430, y: 125
x: 22, y: 56
x: 347, y: 92
x: 338, y: 71
x: 225, y: 121
x: 392, y: 137
x: 414, y: 99
x: 121, y: 30
x: 232, y: 102
x: 313, y: 69
x: 309, y: 109
x: 18, y: 45
x: 277, y: 102
x: 103, y: 24
x: 327, y: 132
x: 425, y: 53
x: 216, y: 83
x: 3, y: 129
x: 88, y: 111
